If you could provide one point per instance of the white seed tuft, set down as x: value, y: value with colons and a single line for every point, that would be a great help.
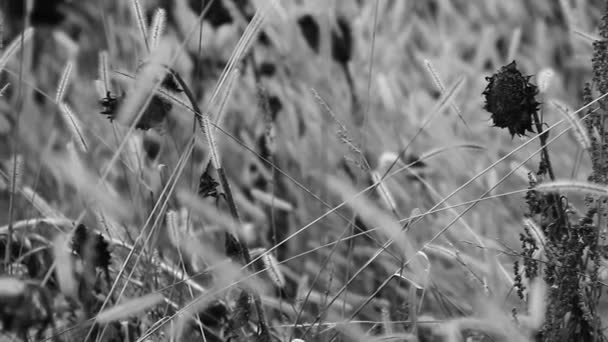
x: 100, y: 89
x: 272, y: 268
x: 537, y: 233
x: 271, y: 200
x: 545, y: 77
x: 579, y: 131
x: 158, y: 27
x: 63, y: 82
x: 15, y: 170
x: 574, y: 186
x: 73, y: 125
x: 173, y: 226
x: 104, y: 74
x: 14, y: 46
x: 141, y: 24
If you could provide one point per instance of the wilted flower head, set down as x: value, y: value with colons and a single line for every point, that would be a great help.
x: 510, y: 98
x: 156, y: 111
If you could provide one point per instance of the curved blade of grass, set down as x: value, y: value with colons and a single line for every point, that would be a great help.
x: 129, y: 308
x: 15, y: 45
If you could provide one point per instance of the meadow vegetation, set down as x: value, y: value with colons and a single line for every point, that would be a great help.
x: 237, y: 170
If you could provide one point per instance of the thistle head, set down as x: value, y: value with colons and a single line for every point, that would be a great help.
x: 510, y: 98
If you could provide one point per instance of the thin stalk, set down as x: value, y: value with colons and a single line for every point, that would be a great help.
x: 264, y: 330
x: 11, y: 203
x: 543, y: 135
x: 546, y: 164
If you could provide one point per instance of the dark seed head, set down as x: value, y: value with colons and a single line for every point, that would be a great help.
x: 151, y: 146
x: 414, y: 160
x: 207, y: 186
x: 233, y: 247
x: 274, y: 106
x: 242, y: 311
x: 267, y: 69
x: 155, y: 113
x: 510, y: 98
x: 92, y: 247
x: 215, y: 314
x: 159, y: 107
x: 310, y: 30
x: 263, y: 39
x: 217, y: 14
x: 44, y: 12
x: 110, y: 105
x: 342, y: 42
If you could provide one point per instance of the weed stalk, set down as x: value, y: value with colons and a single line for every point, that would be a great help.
x: 264, y: 330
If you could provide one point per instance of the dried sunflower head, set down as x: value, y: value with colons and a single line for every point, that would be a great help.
x: 510, y: 98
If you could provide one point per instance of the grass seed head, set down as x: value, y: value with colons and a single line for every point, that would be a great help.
x: 310, y: 30
x: 342, y: 41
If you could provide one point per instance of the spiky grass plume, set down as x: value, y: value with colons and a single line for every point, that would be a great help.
x: 141, y: 22
x: 573, y: 186
x: 158, y: 27
x: 271, y: 200
x: 63, y: 82
x: 73, y: 124
x: 129, y: 308
x: 15, y: 168
x: 271, y: 265
x: 579, y: 130
x: 15, y: 45
x: 441, y: 87
x: 173, y: 226
x: 104, y: 73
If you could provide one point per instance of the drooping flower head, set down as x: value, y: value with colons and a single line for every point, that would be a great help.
x: 156, y: 111
x: 510, y: 98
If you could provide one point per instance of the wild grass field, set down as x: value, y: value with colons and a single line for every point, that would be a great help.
x: 242, y: 170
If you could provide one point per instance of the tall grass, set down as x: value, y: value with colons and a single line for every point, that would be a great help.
x: 267, y: 178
